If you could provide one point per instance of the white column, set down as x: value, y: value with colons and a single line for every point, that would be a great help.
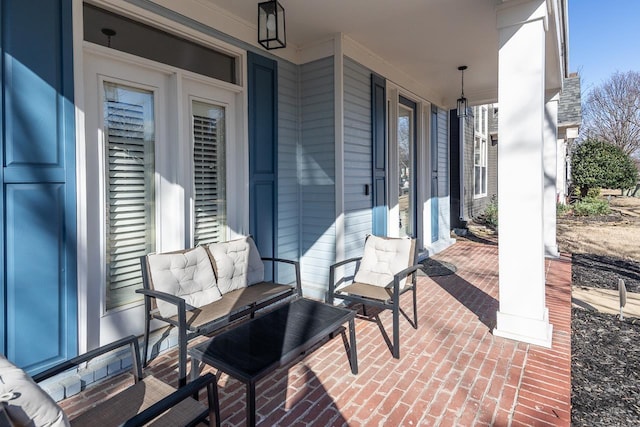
x: 521, y: 81
x: 550, y: 177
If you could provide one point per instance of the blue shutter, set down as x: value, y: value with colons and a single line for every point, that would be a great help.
x: 263, y: 148
x: 379, y: 141
x: 38, y: 296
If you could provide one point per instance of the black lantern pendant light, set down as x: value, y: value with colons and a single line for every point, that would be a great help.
x: 462, y: 101
x: 271, y: 30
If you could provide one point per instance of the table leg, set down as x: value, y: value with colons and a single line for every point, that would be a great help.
x: 353, y: 353
x: 251, y: 404
x: 195, y: 368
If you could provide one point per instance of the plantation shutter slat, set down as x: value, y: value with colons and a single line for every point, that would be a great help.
x: 209, y: 179
x: 129, y: 198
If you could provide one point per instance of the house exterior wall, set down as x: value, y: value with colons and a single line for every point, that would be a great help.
x: 288, y: 228
x: 357, y: 156
x: 306, y: 185
x: 474, y: 207
x: 38, y: 296
x: 317, y: 174
x: 444, y: 204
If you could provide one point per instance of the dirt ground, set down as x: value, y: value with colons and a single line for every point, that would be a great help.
x: 616, y: 235
x: 605, y: 358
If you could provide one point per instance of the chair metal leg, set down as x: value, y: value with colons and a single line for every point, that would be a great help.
x: 214, y: 403
x: 396, y: 331
x: 415, y: 307
x: 182, y: 345
x: 145, y: 349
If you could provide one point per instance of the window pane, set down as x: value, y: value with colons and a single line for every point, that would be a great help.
x: 130, y: 206
x: 151, y: 43
x: 405, y: 162
x: 210, y: 218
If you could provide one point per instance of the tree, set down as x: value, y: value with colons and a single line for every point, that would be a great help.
x: 611, y: 112
x: 598, y: 164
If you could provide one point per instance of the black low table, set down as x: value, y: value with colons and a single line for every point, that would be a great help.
x: 252, y: 350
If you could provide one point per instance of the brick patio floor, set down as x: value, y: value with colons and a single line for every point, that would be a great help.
x: 452, y: 371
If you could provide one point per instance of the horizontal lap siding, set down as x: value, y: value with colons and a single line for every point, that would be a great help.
x: 476, y: 206
x: 288, y: 227
x: 357, y: 156
x: 317, y: 173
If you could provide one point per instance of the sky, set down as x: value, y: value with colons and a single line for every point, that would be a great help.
x: 604, y: 37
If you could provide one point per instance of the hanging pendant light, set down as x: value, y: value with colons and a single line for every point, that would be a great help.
x: 271, y: 29
x: 462, y: 101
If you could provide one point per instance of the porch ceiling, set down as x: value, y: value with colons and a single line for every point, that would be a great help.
x: 425, y: 39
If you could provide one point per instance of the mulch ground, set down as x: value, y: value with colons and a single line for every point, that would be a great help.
x: 605, y: 360
x: 599, y: 271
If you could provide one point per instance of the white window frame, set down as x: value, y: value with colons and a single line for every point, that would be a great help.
x: 90, y: 333
x: 481, y: 135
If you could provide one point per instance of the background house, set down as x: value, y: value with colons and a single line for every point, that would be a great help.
x: 474, y: 180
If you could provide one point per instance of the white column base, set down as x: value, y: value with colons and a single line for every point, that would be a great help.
x: 532, y: 331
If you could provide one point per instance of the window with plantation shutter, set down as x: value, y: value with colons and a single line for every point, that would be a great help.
x: 210, y: 219
x: 480, y: 118
x: 129, y: 156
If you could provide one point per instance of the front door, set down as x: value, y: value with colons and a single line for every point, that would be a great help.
x: 159, y: 177
x: 407, y: 167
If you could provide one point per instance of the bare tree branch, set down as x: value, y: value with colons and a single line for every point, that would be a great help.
x: 612, y: 112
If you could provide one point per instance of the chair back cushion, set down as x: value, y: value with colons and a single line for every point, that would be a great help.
x: 26, y: 403
x: 237, y: 264
x: 384, y: 257
x: 187, y: 274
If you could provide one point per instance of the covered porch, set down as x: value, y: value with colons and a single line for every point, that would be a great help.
x: 454, y: 370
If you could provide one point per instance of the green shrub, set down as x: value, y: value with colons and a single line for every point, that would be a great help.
x: 491, y: 213
x: 593, y: 192
x: 562, y: 209
x: 591, y: 206
x: 602, y: 165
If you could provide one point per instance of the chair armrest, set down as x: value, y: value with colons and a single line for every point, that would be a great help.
x: 346, y: 261
x: 296, y: 266
x: 401, y: 274
x: 158, y: 408
x: 332, y: 276
x: 163, y: 296
x: 408, y: 270
x: 131, y: 341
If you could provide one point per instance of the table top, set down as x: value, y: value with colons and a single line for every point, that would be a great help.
x: 253, y: 349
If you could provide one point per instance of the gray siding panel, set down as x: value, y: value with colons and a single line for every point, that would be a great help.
x: 317, y: 171
x: 357, y: 156
x: 474, y: 207
x: 288, y: 190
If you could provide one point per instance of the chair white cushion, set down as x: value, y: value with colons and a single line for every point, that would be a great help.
x: 188, y: 275
x: 237, y: 264
x: 28, y: 405
x: 383, y: 257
